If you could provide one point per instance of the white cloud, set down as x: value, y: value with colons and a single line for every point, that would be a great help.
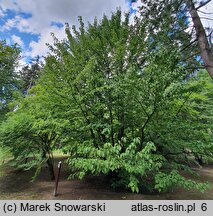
x: 21, y: 64
x: 9, y: 24
x: 40, y: 48
x: 208, y: 13
x: 17, y: 40
x: 21, y: 24
x: 45, y: 12
x: 8, y: 4
x: 1, y: 13
x: 63, y: 10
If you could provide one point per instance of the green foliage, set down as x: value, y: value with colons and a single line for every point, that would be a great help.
x: 119, y: 98
x: 167, y: 22
x: 4, y: 155
x: 9, y: 82
x: 128, y: 102
x: 31, y: 132
x: 132, y: 164
x: 165, y: 181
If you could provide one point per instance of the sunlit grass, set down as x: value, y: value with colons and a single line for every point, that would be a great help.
x: 59, y: 154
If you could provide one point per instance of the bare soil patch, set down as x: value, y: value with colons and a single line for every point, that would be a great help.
x: 18, y: 185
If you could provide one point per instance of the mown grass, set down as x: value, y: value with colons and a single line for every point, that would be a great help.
x: 59, y: 154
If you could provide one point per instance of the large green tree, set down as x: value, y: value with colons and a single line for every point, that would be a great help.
x: 123, y: 89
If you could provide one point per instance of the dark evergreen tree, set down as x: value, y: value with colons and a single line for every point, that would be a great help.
x: 30, y: 73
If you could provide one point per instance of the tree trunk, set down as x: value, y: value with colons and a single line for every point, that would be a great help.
x: 49, y: 165
x: 122, y: 128
x: 51, y: 168
x: 205, y: 48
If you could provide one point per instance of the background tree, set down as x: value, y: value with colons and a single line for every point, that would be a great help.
x: 30, y: 73
x: 171, y: 18
x: 9, y: 79
x: 31, y: 132
x: 201, y: 104
x: 205, y: 47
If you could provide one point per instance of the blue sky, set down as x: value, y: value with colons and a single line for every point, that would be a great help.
x: 30, y: 22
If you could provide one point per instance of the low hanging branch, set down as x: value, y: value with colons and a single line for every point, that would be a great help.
x: 205, y: 49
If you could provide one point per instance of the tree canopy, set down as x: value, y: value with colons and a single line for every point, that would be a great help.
x: 126, y: 96
x: 121, y: 99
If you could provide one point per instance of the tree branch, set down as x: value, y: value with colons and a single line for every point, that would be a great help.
x: 182, y: 105
x: 188, y: 45
x: 206, y: 18
x: 205, y: 3
x: 146, y: 122
x: 204, y: 12
x: 205, y: 49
